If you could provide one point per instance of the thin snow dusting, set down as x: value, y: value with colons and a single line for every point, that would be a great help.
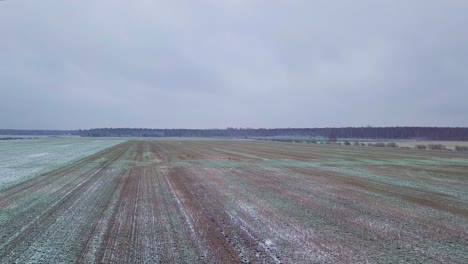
x: 24, y: 159
x: 38, y: 155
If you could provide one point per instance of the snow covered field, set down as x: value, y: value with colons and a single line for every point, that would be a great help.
x: 23, y: 159
x: 231, y: 201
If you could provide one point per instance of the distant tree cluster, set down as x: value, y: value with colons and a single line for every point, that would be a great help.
x: 381, y: 145
x: 436, y: 147
x: 431, y: 147
x: 461, y: 148
x: 421, y: 147
x: 423, y: 133
x: 441, y: 147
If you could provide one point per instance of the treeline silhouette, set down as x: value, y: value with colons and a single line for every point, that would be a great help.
x: 427, y: 133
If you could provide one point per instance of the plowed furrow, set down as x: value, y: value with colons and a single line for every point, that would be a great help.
x: 19, y: 235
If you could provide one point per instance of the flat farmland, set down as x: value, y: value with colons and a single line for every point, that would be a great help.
x: 228, y: 201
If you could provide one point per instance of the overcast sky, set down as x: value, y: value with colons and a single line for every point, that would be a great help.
x: 233, y: 63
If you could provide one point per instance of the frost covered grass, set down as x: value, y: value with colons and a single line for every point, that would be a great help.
x: 24, y: 159
x: 337, y: 204
x: 227, y: 201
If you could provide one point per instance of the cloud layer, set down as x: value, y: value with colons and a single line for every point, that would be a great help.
x: 207, y: 64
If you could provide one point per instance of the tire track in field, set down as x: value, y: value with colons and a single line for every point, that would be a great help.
x: 146, y: 226
x: 117, y: 240
x: 11, y: 193
x: 225, y: 234
x: 17, y: 236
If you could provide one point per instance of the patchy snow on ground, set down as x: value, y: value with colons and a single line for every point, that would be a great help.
x: 38, y: 155
x: 24, y: 159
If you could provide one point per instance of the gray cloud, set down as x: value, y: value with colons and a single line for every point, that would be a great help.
x: 204, y: 64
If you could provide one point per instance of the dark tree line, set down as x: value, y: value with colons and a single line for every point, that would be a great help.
x: 427, y: 133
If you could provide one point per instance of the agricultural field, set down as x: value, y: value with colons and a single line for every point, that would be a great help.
x: 230, y: 201
x: 23, y: 159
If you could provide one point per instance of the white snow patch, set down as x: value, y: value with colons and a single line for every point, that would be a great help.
x: 38, y: 154
x: 21, y: 160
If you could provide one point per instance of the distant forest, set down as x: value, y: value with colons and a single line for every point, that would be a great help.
x: 427, y: 133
